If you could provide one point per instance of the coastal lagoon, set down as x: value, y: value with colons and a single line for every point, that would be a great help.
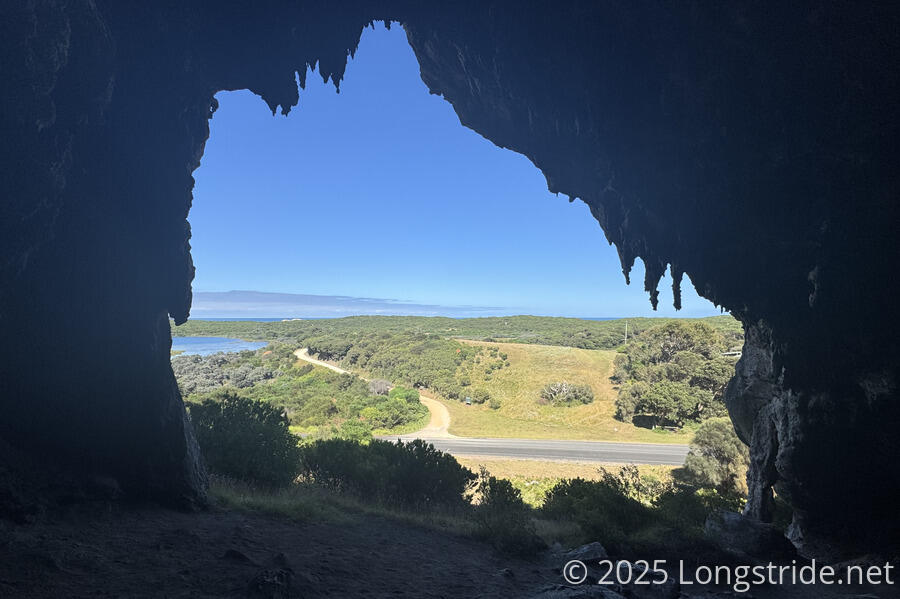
x: 204, y: 346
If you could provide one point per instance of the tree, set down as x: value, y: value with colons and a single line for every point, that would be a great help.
x: 718, y: 459
x: 630, y: 396
x: 673, y: 374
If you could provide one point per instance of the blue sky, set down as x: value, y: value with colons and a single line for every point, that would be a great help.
x: 379, y: 192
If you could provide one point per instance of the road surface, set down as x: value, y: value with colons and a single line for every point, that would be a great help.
x: 526, y: 449
x: 576, y: 451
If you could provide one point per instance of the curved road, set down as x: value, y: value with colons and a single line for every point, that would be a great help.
x: 526, y: 449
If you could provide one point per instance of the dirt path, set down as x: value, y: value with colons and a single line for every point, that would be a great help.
x: 536, y: 449
x: 303, y: 354
x: 440, y: 417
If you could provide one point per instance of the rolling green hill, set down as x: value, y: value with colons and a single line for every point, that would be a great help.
x: 542, y: 330
x: 522, y: 414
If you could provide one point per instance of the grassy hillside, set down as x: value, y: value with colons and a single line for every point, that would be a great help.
x: 518, y: 386
x: 456, y: 358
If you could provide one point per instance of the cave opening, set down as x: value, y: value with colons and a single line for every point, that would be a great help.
x: 378, y: 192
x: 752, y: 146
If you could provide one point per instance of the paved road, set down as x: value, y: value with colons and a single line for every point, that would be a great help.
x: 530, y: 449
x: 579, y: 451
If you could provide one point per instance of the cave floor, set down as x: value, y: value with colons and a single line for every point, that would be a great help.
x: 151, y: 552
x: 112, y: 550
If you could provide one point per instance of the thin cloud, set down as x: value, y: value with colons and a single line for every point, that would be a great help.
x: 236, y: 304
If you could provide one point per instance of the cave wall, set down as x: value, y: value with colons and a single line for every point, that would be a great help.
x: 751, y: 147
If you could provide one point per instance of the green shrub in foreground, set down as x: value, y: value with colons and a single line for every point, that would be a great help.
x: 602, y: 510
x: 412, y: 473
x: 632, y: 521
x: 245, y: 439
x: 503, y: 519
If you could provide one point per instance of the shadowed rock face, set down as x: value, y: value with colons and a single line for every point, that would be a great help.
x: 752, y: 147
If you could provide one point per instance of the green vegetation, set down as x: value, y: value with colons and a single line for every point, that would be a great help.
x: 717, y: 460
x: 522, y: 413
x: 633, y: 518
x: 411, y: 474
x: 520, y: 389
x: 542, y: 330
x: 245, y: 439
x: 535, y: 478
x: 502, y: 518
x: 673, y: 374
x: 632, y: 512
x: 245, y: 406
x: 413, y: 359
x: 563, y: 393
x: 315, y: 400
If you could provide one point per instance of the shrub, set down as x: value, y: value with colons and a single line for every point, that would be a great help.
x: 635, y: 516
x: 567, y: 393
x: 246, y: 439
x: 355, y: 430
x: 379, y: 387
x: 480, y: 396
x: 494, y: 403
x: 717, y: 460
x: 410, y: 396
x: 600, y: 507
x: 502, y: 518
x: 412, y: 473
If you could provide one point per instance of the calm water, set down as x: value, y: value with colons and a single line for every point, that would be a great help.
x: 203, y: 346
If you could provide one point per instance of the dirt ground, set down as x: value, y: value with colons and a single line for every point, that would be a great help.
x: 112, y: 550
x: 147, y: 552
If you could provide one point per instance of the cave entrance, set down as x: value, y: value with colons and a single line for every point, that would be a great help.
x: 378, y: 192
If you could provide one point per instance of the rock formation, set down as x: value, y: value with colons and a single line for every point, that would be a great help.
x: 752, y: 147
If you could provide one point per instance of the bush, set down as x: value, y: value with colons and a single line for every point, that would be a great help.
x: 494, y: 403
x: 600, y: 508
x: 379, y: 387
x: 246, y: 439
x: 480, y: 396
x: 355, y: 430
x: 410, y: 396
x: 411, y: 474
x: 567, y: 393
x: 502, y: 518
x: 717, y: 460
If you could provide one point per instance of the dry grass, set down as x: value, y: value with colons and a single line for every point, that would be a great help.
x: 538, y: 469
x: 518, y: 388
x: 312, y: 503
x: 534, y: 478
